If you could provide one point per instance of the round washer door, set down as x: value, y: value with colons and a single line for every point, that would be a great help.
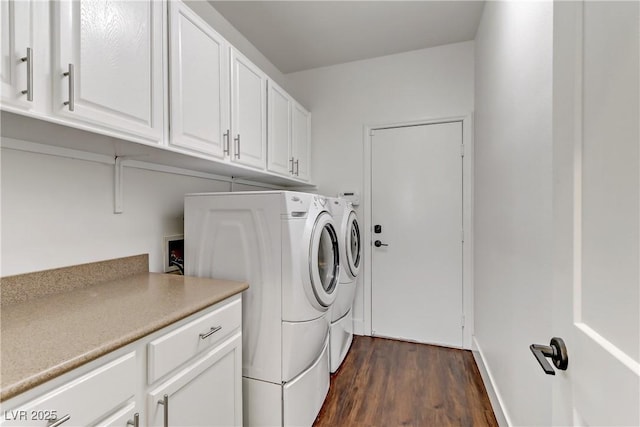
x: 353, y: 245
x: 324, y: 260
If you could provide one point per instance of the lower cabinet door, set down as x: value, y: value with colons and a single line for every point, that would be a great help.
x: 205, y: 392
x: 83, y: 400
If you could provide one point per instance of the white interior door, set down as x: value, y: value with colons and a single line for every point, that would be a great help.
x: 596, y: 215
x: 416, y: 196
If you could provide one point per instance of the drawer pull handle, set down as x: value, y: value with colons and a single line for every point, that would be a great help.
x: 72, y: 92
x: 237, y: 141
x: 165, y: 402
x: 29, y: 60
x: 136, y: 420
x: 59, y: 422
x: 225, y: 143
x: 211, y: 332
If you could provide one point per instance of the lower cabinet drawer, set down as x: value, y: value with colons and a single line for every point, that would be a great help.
x: 176, y: 347
x: 83, y: 401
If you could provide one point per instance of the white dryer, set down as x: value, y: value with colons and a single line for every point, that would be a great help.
x: 350, y: 247
x: 285, y: 245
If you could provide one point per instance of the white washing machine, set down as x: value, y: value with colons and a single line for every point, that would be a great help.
x: 350, y: 247
x: 285, y: 245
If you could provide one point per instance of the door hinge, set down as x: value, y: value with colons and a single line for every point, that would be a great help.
x: 462, y: 235
x: 463, y: 320
x: 461, y: 150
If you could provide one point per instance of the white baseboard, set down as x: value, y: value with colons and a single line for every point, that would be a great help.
x: 494, y: 396
x: 358, y: 327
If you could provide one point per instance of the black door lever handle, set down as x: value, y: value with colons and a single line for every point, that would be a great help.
x: 556, y: 351
x: 378, y: 243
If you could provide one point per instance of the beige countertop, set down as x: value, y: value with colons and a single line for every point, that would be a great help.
x: 45, y: 337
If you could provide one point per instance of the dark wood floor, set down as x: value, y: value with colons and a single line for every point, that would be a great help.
x: 393, y: 383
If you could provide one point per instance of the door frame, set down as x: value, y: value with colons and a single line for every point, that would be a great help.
x: 467, y: 219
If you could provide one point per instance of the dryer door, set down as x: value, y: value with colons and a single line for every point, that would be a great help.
x: 324, y: 260
x: 353, y: 245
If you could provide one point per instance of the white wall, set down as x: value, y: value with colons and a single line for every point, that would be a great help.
x: 58, y: 211
x: 513, y: 202
x: 427, y: 83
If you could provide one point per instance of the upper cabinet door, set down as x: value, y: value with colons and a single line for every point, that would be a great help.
x: 199, y: 60
x: 301, y: 142
x: 17, y: 40
x: 279, y: 131
x: 248, y: 112
x: 108, y: 66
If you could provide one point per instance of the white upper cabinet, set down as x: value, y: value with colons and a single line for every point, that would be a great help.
x: 17, y: 43
x: 199, y: 82
x: 301, y: 142
x: 248, y: 112
x: 279, y: 159
x: 108, y: 65
x: 148, y: 72
x: 288, y: 135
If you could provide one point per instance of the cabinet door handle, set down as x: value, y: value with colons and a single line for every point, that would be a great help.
x: 29, y: 60
x: 212, y: 331
x: 297, y: 167
x: 165, y: 402
x: 136, y: 420
x: 72, y: 92
x: 237, y: 141
x: 225, y: 150
x: 59, y: 422
x: 292, y: 162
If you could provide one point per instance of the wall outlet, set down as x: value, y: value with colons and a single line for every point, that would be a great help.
x: 173, y: 252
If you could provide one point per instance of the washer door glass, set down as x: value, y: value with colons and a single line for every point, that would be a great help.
x: 353, y: 246
x: 324, y: 261
x: 327, y: 260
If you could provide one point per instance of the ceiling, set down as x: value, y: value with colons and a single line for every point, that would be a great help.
x: 300, y: 35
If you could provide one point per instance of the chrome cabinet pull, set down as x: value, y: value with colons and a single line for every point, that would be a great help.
x: 29, y: 60
x: 297, y: 167
x: 165, y: 402
x: 136, y: 420
x: 225, y: 149
x: 72, y: 92
x: 59, y: 422
x: 237, y: 141
x: 292, y: 162
x: 212, y: 331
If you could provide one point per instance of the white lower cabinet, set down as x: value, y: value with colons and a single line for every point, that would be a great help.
x: 208, y: 392
x: 83, y: 401
x: 204, y: 387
